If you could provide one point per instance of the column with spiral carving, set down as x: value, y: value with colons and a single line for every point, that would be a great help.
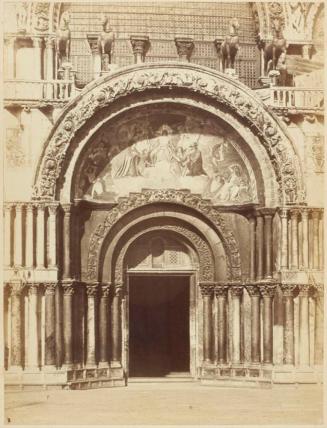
x: 68, y: 289
x: 207, y: 290
x: 116, y: 326
x: 50, y: 338
x: 236, y: 292
x: 267, y: 291
x: 254, y: 293
x: 304, y: 348
x: 16, y: 351
x: 91, y: 291
x: 221, y: 292
x: 288, y: 339
x: 103, y: 323
x: 33, y: 345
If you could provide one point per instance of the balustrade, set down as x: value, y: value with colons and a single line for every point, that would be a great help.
x: 39, y: 90
x: 296, y: 98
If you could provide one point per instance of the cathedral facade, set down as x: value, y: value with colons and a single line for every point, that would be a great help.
x: 163, y: 211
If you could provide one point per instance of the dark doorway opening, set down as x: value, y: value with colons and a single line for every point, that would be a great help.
x: 159, y: 337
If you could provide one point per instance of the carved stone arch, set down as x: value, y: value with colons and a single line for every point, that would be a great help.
x: 194, y: 80
x: 200, y: 246
x: 198, y: 205
x: 314, y: 10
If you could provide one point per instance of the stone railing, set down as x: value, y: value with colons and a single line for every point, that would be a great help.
x: 39, y: 90
x: 296, y: 98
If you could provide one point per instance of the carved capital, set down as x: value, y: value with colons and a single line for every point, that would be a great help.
x: 37, y: 42
x: 40, y: 206
x: 67, y: 208
x: 221, y: 291
x: 267, y: 290
x: 304, y: 213
x: 92, y: 289
x: 19, y: 206
x: 185, y: 46
x: 207, y: 289
x: 140, y: 44
x: 53, y: 208
x: 33, y: 289
x: 105, y: 289
x: 319, y: 289
x: 7, y: 207
x: 295, y: 214
x: 236, y: 290
x: 16, y: 288
x: 304, y: 290
x: 315, y: 214
x: 283, y: 212
x: 118, y: 290
x: 288, y: 289
x: 253, y: 290
x: 50, y: 42
x: 30, y: 207
x: 50, y: 288
x: 68, y: 288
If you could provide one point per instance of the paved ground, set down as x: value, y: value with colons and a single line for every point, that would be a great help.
x: 167, y: 404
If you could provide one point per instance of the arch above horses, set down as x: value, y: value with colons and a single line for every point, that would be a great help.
x: 215, y: 87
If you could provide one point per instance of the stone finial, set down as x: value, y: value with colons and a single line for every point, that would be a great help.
x: 140, y: 46
x: 185, y: 46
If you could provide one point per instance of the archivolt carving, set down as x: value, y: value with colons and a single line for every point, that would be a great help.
x: 171, y: 196
x: 235, y: 96
x: 206, y: 262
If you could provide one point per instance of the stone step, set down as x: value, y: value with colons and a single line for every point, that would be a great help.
x: 164, y: 379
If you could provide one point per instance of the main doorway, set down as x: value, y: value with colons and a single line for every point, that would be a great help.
x: 159, y: 334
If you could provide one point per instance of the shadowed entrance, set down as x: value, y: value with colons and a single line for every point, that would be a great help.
x: 159, y: 342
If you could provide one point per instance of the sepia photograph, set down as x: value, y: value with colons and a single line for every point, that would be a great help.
x: 163, y: 213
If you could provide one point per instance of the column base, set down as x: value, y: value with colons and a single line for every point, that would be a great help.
x: 103, y: 364
x: 115, y: 364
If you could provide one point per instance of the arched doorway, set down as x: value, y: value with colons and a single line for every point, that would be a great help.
x: 161, y: 298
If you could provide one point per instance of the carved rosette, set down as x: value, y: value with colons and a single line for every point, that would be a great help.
x: 288, y: 289
x: 240, y: 100
x: 207, y: 289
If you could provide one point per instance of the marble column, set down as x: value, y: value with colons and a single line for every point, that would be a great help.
x: 268, y: 244
x: 29, y: 235
x: 236, y: 292
x: 50, y: 333
x: 284, y: 238
x: 18, y: 234
x: 40, y: 234
x: 49, y: 58
x: 33, y: 340
x: 91, y: 291
x: 294, y: 239
x: 68, y: 289
x: 103, y: 323
x: 10, y: 58
x: 116, y: 325
x: 52, y: 249
x: 304, y: 345
x: 66, y: 241
x: 255, y: 323
x: 259, y: 248
x: 185, y: 47
x: 319, y: 325
x: 321, y: 241
x: 305, y: 238
x: 207, y: 290
x: 288, y: 337
x: 267, y: 292
x: 315, y: 220
x: 140, y: 46
x: 37, y: 46
x: 221, y: 292
x: 252, y: 224
x: 7, y: 235
x: 16, y: 326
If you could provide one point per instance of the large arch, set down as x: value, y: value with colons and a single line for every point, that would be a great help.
x: 101, y: 100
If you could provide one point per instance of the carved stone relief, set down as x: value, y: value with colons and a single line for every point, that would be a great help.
x: 233, y: 96
x: 172, y: 196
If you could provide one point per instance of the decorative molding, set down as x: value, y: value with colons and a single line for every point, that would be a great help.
x: 288, y: 289
x: 207, y: 288
x: 182, y: 197
x: 236, y: 97
x: 50, y: 288
x: 68, y: 288
x: 268, y: 290
x: 221, y: 291
x: 253, y: 290
x: 236, y: 290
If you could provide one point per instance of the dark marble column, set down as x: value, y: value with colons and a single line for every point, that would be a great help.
x: 252, y: 223
x: 116, y: 321
x: 91, y: 291
x: 50, y: 331
x: 288, y: 297
x: 221, y: 295
x: 16, y: 325
x: 236, y: 292
x: 259, y: 246
x: 68, y: 288
x: 315, y: 220
x: 103, y: 322
x: 255, y: 323
x: 304, y: 345
x: 319, y: 325
x: 267, y: 292
x: 284, y: 238
x: 66, y: 241
x: 268, y: 216
x: 207, y: 290
x: 294, y: 239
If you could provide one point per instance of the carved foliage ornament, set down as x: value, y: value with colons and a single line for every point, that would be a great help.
x: 235, y: 98
x: 174, y: 196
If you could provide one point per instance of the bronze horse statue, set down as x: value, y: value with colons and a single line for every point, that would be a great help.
x: 229, y: 46
x: 273, y: 50
x: 106, y: 42
x: 63, y: 40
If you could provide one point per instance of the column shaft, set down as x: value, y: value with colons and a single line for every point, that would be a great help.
x: 116, y: 327
x: 90, y: 338
x: 294, y: 234
x: 37, y: 46
x: 315, y: 219
x: 284, y: 239
x: 16, y: 326
x: 66, y: 242
x: 259, y: 249
x: 304, y: 351
x: 103, y: 332
x: 33, y: 344
x: 18, y: 234
x: 29, y: 236
x: 7, y: 235
x: 68, y: 323
x: 52, y: 251
x: 236, y: 325
x: 268, y: 245
x: 221, y: 294
x: 288, y: 337
x: 207, y: 293
x: 50, y: 333
x: 255, y: 323
x: 319, y: 326
x: 305, y: 239
x: 252, y: 248
x: 268, y: 293
x: 40, y: 236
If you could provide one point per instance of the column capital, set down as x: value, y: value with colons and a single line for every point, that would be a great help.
x: 267, y: 212
x: 30, y: 207
x: 40, y: 206
x: 37, y: 42
x: 304, y: 213
x: 319, y: 289
x: 315, y: 213
x: 140, y: 44
x: 221, y: 290
x: 50, y: 42
x: 304, y: 290
x: 33, y: 288
x: 92, y: 289
x: 68, y: 288
x: 50, y: 288
x: 267, y: 289
x: 67, y: 208
x: 7, y: 206
x: 253, y: 290
x: 288, y: 289
x: 283, y: 212
x: 294, y: 212
x: 53, y: 207
x: 16, y: 288
x: 185, y: 46
x: 236, y: 290
x: 118, y: 289
x: 105, y: 288
x: 19, y: 206
x: 207, y: 288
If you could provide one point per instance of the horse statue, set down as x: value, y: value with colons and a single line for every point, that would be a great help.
x: 229, y: 46
x: 106, y: 43
x: 63, y: 40
x: 273, y: 50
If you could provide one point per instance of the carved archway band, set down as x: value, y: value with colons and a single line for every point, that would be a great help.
x: 182, y: 197
x: 218, y: 88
